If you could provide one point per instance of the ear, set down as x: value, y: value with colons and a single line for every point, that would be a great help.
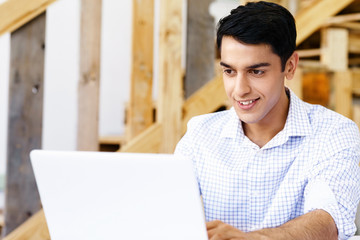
x: 291, y: 65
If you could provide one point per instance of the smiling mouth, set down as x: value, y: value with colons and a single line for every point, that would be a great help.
x: 246, y: 103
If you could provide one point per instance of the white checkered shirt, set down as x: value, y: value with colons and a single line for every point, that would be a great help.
x: 311, y: 164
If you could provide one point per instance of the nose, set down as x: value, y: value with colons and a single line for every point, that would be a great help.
x: 242, y: 86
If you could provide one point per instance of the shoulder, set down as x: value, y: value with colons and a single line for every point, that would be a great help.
x: 320, y: 120
x: 325, y: 120
x: 333, y: 130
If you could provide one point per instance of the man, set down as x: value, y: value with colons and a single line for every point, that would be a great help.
x: 273, y: 166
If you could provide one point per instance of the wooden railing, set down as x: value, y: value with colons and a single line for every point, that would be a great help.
x: 15, y: 13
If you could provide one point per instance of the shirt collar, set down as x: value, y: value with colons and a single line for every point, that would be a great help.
x: 297, y: 122
x: 232, y: 127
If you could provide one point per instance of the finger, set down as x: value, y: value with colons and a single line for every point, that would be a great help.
x: 213, y: 224
x: 214, y: 235
x: 224, y: 232
x: 211, y: 233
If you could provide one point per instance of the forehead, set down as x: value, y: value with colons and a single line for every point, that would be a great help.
x: 241, y: 54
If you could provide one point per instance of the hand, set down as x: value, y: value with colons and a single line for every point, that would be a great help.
x: 218, y: 230
x: 317, y: 224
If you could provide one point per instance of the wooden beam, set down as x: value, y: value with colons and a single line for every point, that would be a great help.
x: 309, y: 53
x: 35, y: 228
x: 88, y: 89
x: 293, y: 6
x: 25, y: 120
x: 354, y: 61
x: 115, y: 139
x: 342, y: 19
x: 334, y: 45
x: 15, y: 13
x: 305, y: 3
x: 348, y: 25
x: 311, y: 64
x: 354, y: 43
x: 140, y: 112
x: 149, y: 141
x: 335, y: 42
x: 343, y: 93
x: 206, y: 100
x: 170, y: 73
x: 356, y: 79
x: 311, y: 18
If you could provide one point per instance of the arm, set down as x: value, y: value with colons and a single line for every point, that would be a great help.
x: 315, y: 225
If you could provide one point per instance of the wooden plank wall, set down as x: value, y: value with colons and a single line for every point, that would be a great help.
x: 88, y: 88
x: 25, y: 120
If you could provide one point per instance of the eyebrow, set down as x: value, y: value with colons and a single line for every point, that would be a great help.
x: 258, y: 65
x: 225, y: 65
x: 248, y: 67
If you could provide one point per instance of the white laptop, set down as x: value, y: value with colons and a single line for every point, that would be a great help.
x: 98, y: 195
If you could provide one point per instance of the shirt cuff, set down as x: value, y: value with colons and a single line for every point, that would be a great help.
x: 319, y: 195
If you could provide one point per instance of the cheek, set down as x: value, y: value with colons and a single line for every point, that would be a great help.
x: 228, y: 86
x: 270, y: 86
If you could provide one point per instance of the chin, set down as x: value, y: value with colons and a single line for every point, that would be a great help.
x: 248, y: 120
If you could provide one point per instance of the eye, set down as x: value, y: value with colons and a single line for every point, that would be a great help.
x: 257, y: 72
x: 228, y: 71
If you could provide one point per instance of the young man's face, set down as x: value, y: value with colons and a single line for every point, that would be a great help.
x: 254, y: 81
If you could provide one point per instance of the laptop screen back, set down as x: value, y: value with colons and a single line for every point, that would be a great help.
x: 96, y: 195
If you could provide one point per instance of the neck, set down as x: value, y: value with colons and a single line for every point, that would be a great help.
x: 262, y: 132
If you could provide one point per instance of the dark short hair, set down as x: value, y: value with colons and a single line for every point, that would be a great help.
x: 261, y: 23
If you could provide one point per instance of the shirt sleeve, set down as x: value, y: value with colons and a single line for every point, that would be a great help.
x: 334, y: 181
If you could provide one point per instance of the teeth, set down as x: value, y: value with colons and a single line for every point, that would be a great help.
x: 247, y: 102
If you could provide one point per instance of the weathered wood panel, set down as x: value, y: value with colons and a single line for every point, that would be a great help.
x: 88, y: 89
x: 25, y: 121
x: 140, y: 114
x: 200, y: 46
